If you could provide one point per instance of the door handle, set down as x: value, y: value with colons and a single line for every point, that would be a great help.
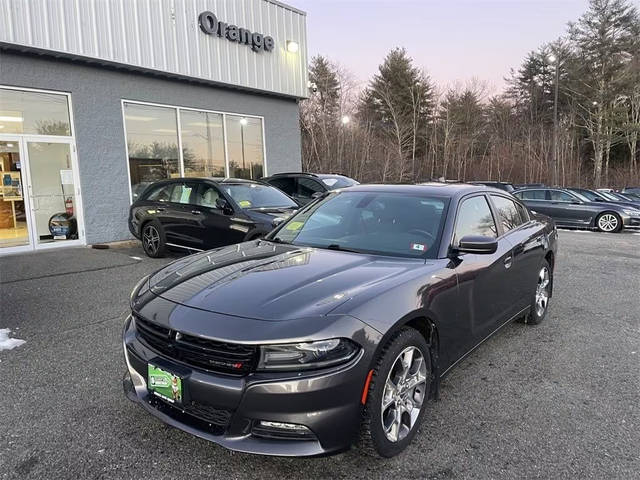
x: 508, y: 261
x: 196, y: 212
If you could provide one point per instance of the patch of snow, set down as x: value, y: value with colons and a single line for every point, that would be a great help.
x: 7, y: 343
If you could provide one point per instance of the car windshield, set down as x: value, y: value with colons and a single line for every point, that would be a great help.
x: 384, y: 223
x: 253, y: 195
x: 338, y: 182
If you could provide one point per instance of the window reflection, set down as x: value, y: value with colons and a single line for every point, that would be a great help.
x: 246, y: 153
x: 152, y: 141
x: 34, y: 113
x: 509, y: 213
x: 202, y: 144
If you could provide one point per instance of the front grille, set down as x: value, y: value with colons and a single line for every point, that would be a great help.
x: 197, y: 352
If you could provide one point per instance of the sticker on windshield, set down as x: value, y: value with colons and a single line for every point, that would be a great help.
x: 244, y: 203
x: 295, y: 226
x: 418, y: 246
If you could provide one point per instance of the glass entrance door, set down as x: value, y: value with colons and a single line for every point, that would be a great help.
x: 39, y: 199
x: 14, y: 229
x: 52, y: 192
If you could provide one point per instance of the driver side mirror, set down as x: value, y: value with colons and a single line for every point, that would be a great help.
x: 223, y: 205
x: 477, y: 244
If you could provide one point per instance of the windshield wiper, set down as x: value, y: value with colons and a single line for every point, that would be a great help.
x: 277, y: 240
x: 335, y: 246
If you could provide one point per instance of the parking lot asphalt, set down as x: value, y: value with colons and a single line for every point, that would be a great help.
x: 558, y: 400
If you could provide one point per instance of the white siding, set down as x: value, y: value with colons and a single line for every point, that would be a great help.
x: 164, y: 35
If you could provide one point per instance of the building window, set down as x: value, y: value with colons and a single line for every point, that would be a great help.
x: 34, y: 113
x: 246, y: 152
x: 202, y: 143
x: 156, y: 132
x: 152, y: 143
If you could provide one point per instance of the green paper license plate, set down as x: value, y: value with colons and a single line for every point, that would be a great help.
x: 164, y: 384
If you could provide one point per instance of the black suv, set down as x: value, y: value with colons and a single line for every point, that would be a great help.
x: 305, y: 187
x: 202, y: 213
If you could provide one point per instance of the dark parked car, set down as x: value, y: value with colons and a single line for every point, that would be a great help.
x: 595, y: 196
x: 506, y: 186
x: 339, y: 325
x: 198, y: 214
x: 571, y: 209
x: 305, y: 187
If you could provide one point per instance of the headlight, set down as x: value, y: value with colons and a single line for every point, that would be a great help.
x: 631, y: 211
x: 307, y: 356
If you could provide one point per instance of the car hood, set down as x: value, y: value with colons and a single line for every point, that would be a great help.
x: 276, y: 282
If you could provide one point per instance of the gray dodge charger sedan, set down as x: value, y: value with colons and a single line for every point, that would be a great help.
x: 336, y: 328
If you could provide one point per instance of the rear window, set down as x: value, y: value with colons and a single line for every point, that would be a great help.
x: 334, y: 183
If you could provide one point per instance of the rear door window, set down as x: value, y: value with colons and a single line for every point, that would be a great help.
x: 475, y: 218
x: 181, y: 193
x: 508, y: 212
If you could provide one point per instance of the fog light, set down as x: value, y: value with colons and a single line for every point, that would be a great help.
x: 284, y: 426
x: 281, y: 431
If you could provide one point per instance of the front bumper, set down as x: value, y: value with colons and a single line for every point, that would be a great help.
x: 326, y: 402
x: 631, y: 222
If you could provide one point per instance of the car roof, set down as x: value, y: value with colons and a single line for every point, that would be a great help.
x: 431, y: 188
x: 307, y: 174
x: 222, y: 180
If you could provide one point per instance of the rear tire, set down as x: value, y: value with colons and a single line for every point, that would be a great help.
x: 609, y: 222
x: 153, y: 239
x: 540, y: 302
x: 402, y: 378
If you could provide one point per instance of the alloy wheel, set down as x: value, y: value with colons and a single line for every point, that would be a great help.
x: 151, y: 239
x: 542, y: 291
x: 608, y: 222
x: 404, y: 394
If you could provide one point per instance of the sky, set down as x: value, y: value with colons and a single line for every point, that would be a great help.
x: 452, y: 40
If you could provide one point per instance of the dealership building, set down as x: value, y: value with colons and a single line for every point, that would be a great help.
x: 99, y: 98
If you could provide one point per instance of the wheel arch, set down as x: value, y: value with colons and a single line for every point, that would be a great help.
x: 427, y: 326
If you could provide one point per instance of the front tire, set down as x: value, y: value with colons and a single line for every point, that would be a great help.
x: 609, y: 222
x: 397, y: 396
x: 153, y: 239
x: 540, y: 302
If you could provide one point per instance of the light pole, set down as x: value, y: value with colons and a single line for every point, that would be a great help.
x: 554, y: 158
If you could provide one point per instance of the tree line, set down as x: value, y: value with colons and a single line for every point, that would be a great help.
x: 570, y: 114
